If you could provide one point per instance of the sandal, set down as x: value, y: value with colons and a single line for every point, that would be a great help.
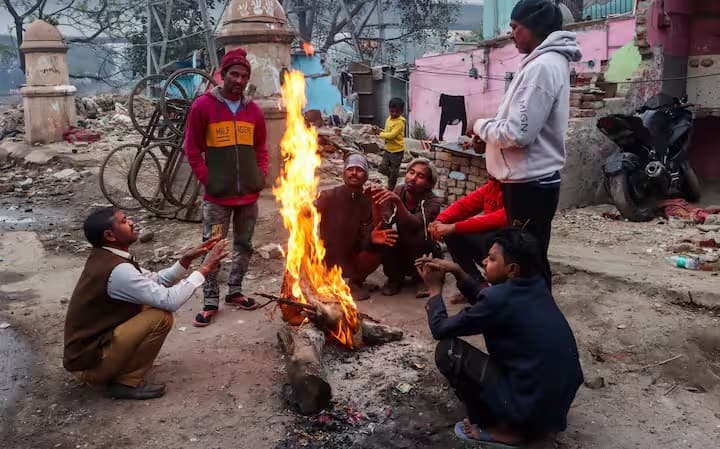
x: 486, y: 440
x: 204, y: 318
x: 422, y: 291
x: 241, y: 301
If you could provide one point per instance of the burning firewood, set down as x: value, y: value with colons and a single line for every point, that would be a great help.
x: 304, y: 345
x: 315, y: 301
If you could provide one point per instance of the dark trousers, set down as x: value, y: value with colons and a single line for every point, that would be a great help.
x: 399, y: 261
x: 533, y: 206
x: 469, y: 250
x: 390, y: 167
x: 242, y: 219
x: 474, y: 377
x: 356, y: 267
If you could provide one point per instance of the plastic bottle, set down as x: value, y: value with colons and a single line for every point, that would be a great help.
x: 689, y: 263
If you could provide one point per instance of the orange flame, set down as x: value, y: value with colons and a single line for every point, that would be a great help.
x: 308, y: 48
x: 306, y: 273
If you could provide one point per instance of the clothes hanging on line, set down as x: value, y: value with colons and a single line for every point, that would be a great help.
x: 453, y: 112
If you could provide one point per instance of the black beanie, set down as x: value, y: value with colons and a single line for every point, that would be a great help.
x: 542, y: 17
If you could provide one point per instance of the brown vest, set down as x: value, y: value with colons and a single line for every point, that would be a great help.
x: 92, y: 315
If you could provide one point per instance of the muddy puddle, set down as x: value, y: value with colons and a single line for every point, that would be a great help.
x: 26, y: 218
x: 17, y: 358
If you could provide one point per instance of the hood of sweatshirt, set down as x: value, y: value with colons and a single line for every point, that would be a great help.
x: 216, y: 94
x: 562, y: 42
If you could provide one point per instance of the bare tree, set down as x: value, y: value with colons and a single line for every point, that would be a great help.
x: 89, y: 20
x: 330, y: 22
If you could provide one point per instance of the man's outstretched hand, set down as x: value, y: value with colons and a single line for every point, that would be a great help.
x: 386, y: 237
x: 434, y: 278
x: 382, y: 196
x: 446, y: 266
x: 197, y: 252
x: 214, y: 257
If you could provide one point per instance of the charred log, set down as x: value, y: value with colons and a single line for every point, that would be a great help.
x: 303, y: 348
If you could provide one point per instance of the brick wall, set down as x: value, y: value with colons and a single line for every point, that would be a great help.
x: 471, y: 169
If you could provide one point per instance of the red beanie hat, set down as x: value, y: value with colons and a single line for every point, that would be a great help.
x: 234, y: 57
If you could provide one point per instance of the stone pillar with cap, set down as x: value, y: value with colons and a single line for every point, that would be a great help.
x: 261, y: 28
x: 48, y: 97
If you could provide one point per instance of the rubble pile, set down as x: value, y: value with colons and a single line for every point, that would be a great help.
x: 660, y: 238
x: 12, y: 122
x: 103, y: 114
x: 348, y: 139
x: 37, y: 182
x: 92, y: 107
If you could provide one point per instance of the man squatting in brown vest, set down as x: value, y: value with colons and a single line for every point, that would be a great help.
x: 120, y: 314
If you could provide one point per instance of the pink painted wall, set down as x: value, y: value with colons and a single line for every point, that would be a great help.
x: 685, y: 27
x: 704, y: 154
x: 448, y: 74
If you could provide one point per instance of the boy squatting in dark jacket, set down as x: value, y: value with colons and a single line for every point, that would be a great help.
x: 523, y: 388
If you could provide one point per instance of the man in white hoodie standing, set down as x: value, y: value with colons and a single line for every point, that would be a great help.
x: 525, y: 143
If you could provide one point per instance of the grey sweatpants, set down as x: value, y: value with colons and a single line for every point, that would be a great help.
x: 243, y: 220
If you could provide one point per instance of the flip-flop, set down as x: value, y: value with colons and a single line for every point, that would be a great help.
x: 204, y: 318
x: 241, y: 301
x: 485, y: 440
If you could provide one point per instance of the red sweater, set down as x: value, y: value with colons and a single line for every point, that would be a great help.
x: 463, y: 212
x: 226, y: 151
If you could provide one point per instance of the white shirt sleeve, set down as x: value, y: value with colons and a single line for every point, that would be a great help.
x: 161, y: 290
x: 167, y: 277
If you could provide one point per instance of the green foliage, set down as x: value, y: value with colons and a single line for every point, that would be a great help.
x: 419, y: 132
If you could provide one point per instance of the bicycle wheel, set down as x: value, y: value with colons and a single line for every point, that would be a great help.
x: 179, y: 93
x: 114, y: 176
x: 146, y: 178
x: 180, y: 185
x: 144, y: 107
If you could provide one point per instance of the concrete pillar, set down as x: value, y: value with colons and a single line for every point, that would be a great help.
x: 260, y: 27
x: 48, y: 97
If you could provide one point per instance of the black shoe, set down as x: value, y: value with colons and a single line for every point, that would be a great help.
x: 422, y: 291
x: 358, y: 291
x: 141, y: 392
x: 391, y: 288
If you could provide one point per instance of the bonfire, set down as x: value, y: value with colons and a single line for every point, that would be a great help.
x: 315, y: 300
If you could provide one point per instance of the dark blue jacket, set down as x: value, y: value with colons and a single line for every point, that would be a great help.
x: 529, y: 339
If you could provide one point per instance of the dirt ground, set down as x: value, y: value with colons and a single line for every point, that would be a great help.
x: 225, y: 382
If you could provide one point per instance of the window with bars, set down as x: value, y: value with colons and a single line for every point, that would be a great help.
x: 597, y: 9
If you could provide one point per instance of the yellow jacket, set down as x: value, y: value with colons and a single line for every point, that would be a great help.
x: 394, y: 134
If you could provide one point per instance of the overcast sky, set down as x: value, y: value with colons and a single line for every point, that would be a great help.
x: 6, y: 20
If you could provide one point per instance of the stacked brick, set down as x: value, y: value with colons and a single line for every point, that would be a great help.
x: 470, y: 168
x: 642, y: 13
x: 585, y: 102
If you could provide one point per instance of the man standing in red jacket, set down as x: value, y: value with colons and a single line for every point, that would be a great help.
x: 225, y: 145
x: 468, y: 235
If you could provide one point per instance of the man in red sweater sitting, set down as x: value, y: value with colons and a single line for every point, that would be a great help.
x: 225, y: 146
x: 468, y: 236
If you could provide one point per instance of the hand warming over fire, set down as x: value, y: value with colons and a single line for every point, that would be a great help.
x: 438, y: 230
x: 198, y: 251
x: 387, y: 237
x: 434, y: 278
x: 382, y: 195
x: 214, y: 257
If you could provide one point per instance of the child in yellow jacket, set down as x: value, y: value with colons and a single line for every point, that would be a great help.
x: 394, y: 136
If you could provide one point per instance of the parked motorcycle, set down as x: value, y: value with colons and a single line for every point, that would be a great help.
x: 652, y: 161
